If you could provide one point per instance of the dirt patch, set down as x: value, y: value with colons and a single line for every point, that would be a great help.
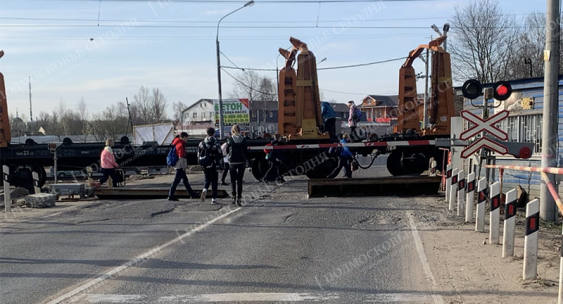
x: 470, y: 270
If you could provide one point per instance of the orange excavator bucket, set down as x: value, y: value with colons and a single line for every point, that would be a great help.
x: 5, y: 133
x: 298, y: 94
x: 440, y: 106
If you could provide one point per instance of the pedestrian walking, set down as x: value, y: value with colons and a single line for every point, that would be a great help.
x: 209, y: 156
x: 179, y: 144
x: 275, y: 161
x: 329, y: 118
x: 346, y: 156
x: 237, y: 151
x: 354, y: 116
x: 225, y: 162
x: 108, y: 164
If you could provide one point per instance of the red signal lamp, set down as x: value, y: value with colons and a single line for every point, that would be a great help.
x: 503, y: 90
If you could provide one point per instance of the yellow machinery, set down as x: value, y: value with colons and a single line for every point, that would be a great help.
x: 5, y: 135
x: 440, y: 107
x: 299, y: 110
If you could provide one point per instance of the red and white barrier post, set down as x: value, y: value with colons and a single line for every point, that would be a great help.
x: 460, y: 192
x: 481, y: 200
x: 509, y: 224
x: 530, y: 271
x: 470, y: 196
x: 453, y: 190
x: 7, y: 198
x: 448, y: 180
x: 495, y: 213
x: 36, y: 182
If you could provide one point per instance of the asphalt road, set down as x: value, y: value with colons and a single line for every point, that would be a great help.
x: 279, y: 248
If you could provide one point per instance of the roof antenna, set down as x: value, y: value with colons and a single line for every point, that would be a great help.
x: 99, y: 11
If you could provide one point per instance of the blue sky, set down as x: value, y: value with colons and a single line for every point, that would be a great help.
x: 147, y: 43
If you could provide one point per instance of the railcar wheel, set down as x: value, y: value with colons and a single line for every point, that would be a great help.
x: 259, y: 168
x: 326, y: 169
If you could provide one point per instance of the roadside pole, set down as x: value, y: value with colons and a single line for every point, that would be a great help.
x: 470, y: 197
x: 530, y: 269
x: 481, y: 200
x: 448, y: 181
x: 495, y: 213
x: 460, y: 192
x: 36, y: 182
x: 550, y: 108
x: 509, y: 224
x: 453, y: 191
x: 7, y: 199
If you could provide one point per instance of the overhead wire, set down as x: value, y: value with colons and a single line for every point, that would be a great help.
x: 235, y: 67
x: 244, y: 84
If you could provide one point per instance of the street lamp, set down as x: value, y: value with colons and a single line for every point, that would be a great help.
x: 249, y: 3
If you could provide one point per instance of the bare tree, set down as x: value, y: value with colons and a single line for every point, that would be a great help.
x: 158, y: 104
x: 483, y: 41
x: 267, y: 90
x: 177, y: 108
x: 143, y: 102
x: 247, y: 86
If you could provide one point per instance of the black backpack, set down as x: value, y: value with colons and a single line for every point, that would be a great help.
x: 206, y: 155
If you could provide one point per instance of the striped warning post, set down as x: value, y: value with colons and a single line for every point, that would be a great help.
x: 453, y: 190
x: 530, y: 270
x: 481, y: 200
x: 460, y: 192
x: 470, y: 196
x: 495, y: 213
x: 36, y: 187
x: 448, y: 180
x: 7, y: 199
x: 509, y: 224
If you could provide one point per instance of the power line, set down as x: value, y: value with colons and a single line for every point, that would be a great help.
x: 133, y: 24
x: 246, y: 85
x: 261, y: 1
x: 171, y: 20
x: 325, y: 68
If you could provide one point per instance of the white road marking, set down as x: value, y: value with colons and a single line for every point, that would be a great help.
x: 248, y: 297
x: 214, y: 297
x: 88, y: 284
x: 399, y: 298
x: 113, y: 298
x: 423, y: 260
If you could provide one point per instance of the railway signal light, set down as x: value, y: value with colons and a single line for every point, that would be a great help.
x: 472, y: 89
x: 503, y: 90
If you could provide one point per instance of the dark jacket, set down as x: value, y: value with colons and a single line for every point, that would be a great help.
x: 209, y: 145
x: 237, y: 150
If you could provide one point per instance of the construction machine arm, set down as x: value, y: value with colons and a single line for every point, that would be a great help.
x: 433, y: 45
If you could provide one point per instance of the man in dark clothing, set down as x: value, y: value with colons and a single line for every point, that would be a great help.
x: 179, y: 143
x: 209, y: 156
x: 237, y: 152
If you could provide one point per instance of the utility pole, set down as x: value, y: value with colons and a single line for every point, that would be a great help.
x: 425, y: 116
x: 550, y: 106
x: 30, y: 106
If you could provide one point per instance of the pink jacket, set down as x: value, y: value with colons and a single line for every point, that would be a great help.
x: 107, y: 159
x: 351, y: 122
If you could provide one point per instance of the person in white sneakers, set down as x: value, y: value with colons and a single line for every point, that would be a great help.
x: 209, y: 156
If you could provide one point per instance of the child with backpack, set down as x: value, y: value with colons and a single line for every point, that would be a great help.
x: 177, y: 158
x: 209, y: 156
